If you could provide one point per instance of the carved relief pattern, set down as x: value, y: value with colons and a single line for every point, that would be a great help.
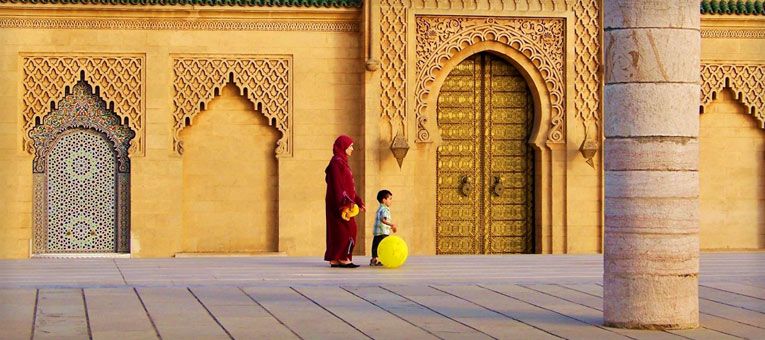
x: 587, y: 51
x: 177, y: 24
x: 747, y: 81
x: 541, y: 40
x: 80, y: 108
x: 39, y: 225
x: 494, y: 5
x: 266, y: 82
x: 393, y: 61
x: 117, y: 79
x: 732, y: 33
x: 123, y: 212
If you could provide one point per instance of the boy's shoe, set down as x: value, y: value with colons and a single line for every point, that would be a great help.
x: 375, y: 263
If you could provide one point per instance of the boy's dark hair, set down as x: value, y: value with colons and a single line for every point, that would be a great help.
x: 383, y: 194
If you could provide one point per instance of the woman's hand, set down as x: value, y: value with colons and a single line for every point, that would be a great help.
x: 363, y: 207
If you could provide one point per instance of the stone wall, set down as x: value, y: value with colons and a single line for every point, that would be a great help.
x: 323, y: 100
x: 732, y: 194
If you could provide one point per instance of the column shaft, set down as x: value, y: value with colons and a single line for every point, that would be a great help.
x: 651, y: 125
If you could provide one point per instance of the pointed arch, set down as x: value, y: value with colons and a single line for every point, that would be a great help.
x: 538, y: 43
x: 116, y: 79
x: 83, y: 113
x: 266, y: 81
x: 746, y: 80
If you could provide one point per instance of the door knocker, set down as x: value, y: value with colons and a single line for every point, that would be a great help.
x: 466, y: 186
x: 498, y: 186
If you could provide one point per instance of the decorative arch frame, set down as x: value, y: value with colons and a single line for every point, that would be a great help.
x: 537, y: 42
x: 537, y: 48
x: 539, y: 136
x: 746, y: 80
x: 266, y: 81
x: 117, y: 79
x: 90, y: 113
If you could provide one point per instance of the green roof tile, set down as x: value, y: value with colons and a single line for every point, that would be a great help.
x: 740, y: 7
x: 242, y: 3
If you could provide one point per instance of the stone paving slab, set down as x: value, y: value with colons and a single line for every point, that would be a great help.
x: 17, y: 311
x: 242, y: 316
x: 368, y: 318
x: 61, y: 314
x: 304, y: 317
x: 117, y: 313
x: 177, y: 314
x: 448, y: 297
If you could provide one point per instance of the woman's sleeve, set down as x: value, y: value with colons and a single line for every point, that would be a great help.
x: 336, y: 181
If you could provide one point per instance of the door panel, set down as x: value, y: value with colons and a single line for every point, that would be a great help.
x: 485, y: 166
x: 511, y: 160
x: 82, y: 213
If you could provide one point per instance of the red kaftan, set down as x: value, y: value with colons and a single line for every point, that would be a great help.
x: 341, y: 192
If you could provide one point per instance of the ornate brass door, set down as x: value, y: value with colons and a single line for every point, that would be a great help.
x: 485, y: 165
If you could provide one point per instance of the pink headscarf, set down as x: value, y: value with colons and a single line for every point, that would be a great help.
x: 341, y: 144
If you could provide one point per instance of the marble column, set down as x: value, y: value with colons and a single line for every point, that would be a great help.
x: 651, y: 125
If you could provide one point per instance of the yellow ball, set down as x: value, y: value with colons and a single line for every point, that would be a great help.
x: 392, y: 251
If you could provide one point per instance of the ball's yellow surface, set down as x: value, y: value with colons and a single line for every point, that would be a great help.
x: 392, y: 251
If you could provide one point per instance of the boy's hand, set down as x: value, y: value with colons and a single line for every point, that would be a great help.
x: 393, y: 227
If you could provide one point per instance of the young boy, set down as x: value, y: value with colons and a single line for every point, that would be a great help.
x: 383, y: 223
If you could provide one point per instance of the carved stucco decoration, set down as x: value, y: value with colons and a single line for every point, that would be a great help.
x: 495, y: 5
x: 266, y: 81
x: 118, y: 80
x: 587, y: 81
x: 393, y: 43
x: 178, y: 24
x: 393, y: 63
x: 80, y: 108
x: 540, y: 39
x: 746, y: 81
x: 732, y: 33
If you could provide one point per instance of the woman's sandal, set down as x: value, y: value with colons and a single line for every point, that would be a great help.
x: 348, y: 265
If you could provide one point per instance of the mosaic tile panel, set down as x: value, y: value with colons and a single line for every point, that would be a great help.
x: 82, y: 193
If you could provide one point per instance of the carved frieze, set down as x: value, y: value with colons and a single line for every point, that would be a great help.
x: 266, y: 81
x: 746, y: 80
x: 180, y: 24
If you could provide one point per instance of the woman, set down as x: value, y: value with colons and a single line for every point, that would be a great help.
x: 341, y: 193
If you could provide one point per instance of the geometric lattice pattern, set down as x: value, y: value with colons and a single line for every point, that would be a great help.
x: 746, y: 81
x: 81, y: 177
x: 587, y: 60
x: 541, y: 40
x: 265, y: 81
x: 393, y: 63
x: 80, y: 108
x: 117, y: 79
x: 82, y: 194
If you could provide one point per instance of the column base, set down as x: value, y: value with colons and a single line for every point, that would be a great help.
x: 657, y: 327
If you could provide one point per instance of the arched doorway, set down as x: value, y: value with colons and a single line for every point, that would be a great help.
x: 230, y: 178
x: 81, y: 175
x: 485, y: 190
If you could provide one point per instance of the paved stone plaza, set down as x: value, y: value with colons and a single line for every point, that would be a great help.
x: 471, y: 297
